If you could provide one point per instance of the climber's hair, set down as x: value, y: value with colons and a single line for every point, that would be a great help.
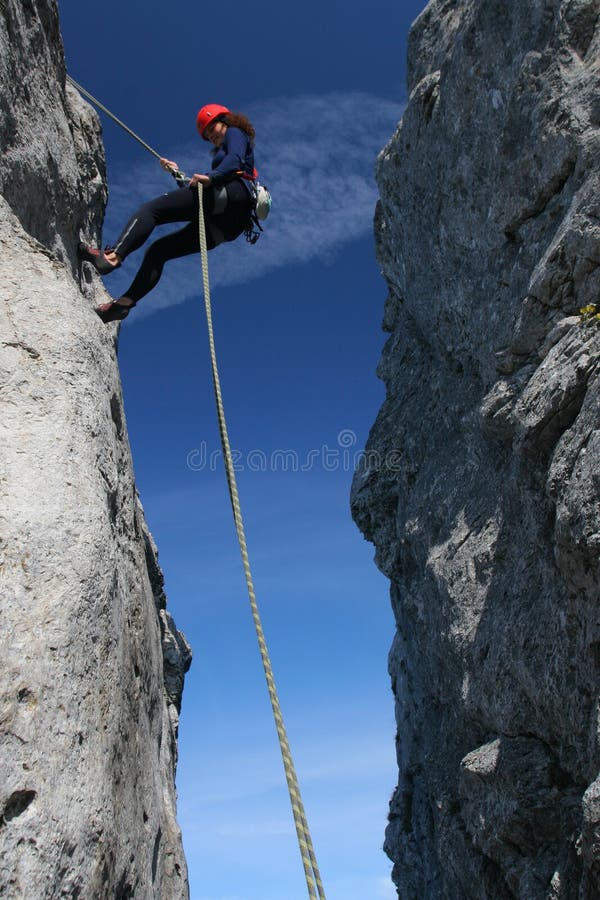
x: 240, y: 121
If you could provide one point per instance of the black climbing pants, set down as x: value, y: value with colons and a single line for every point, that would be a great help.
x: 227, y: 213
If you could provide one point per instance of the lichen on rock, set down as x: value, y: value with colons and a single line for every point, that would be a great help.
x: 488, y: 524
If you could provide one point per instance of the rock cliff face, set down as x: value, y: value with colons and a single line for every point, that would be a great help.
x: 481, y: 482
x: 92, y: 664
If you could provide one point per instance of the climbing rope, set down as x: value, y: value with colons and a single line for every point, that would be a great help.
x: 112, y: 116
x: 311, y: 870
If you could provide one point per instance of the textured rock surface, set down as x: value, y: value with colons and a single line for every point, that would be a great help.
x: 488, y: 521
x: 92, y: 664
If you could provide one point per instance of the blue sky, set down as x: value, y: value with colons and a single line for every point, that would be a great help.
x: 297, y: 322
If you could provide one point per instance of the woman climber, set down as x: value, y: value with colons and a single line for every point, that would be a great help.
x: 227, y: 202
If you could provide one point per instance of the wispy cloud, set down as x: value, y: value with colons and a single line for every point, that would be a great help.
x: 245, y: 830
x: 346, y: 777
x: 347, y: 758
x: 315, y: 153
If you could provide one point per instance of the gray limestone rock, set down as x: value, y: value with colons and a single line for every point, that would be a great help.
x: 52, y: 167
x: 483, y: 498
x: 92, y: 664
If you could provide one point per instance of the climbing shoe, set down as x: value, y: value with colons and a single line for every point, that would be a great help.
x: 97, y: 258
x: 113, y: 311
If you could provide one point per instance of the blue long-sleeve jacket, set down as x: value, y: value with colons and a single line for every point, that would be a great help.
x: 235, y: 154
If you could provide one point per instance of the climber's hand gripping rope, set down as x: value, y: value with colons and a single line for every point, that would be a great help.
x: 179, y: 176
x: 173, y: 169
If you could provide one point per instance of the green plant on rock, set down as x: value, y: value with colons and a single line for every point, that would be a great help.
x: 590, y: 314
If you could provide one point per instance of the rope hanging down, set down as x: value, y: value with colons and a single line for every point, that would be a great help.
x: 311, y: 870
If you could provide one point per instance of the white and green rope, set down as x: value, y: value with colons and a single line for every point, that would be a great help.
x: 309, y: 862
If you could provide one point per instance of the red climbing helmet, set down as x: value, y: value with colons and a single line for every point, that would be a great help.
x: 208, y: 114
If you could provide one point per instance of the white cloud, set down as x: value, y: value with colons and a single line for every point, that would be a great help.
x: 315, y: 153
x: 361, y: 759
x: 245, y: 830
x: 346, y: 758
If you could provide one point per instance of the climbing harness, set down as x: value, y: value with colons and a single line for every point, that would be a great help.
x: 261, y: 200
x: 261, y: 204
x: 176, y: 173
x: 261, y: 195
x: 311, y: 870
